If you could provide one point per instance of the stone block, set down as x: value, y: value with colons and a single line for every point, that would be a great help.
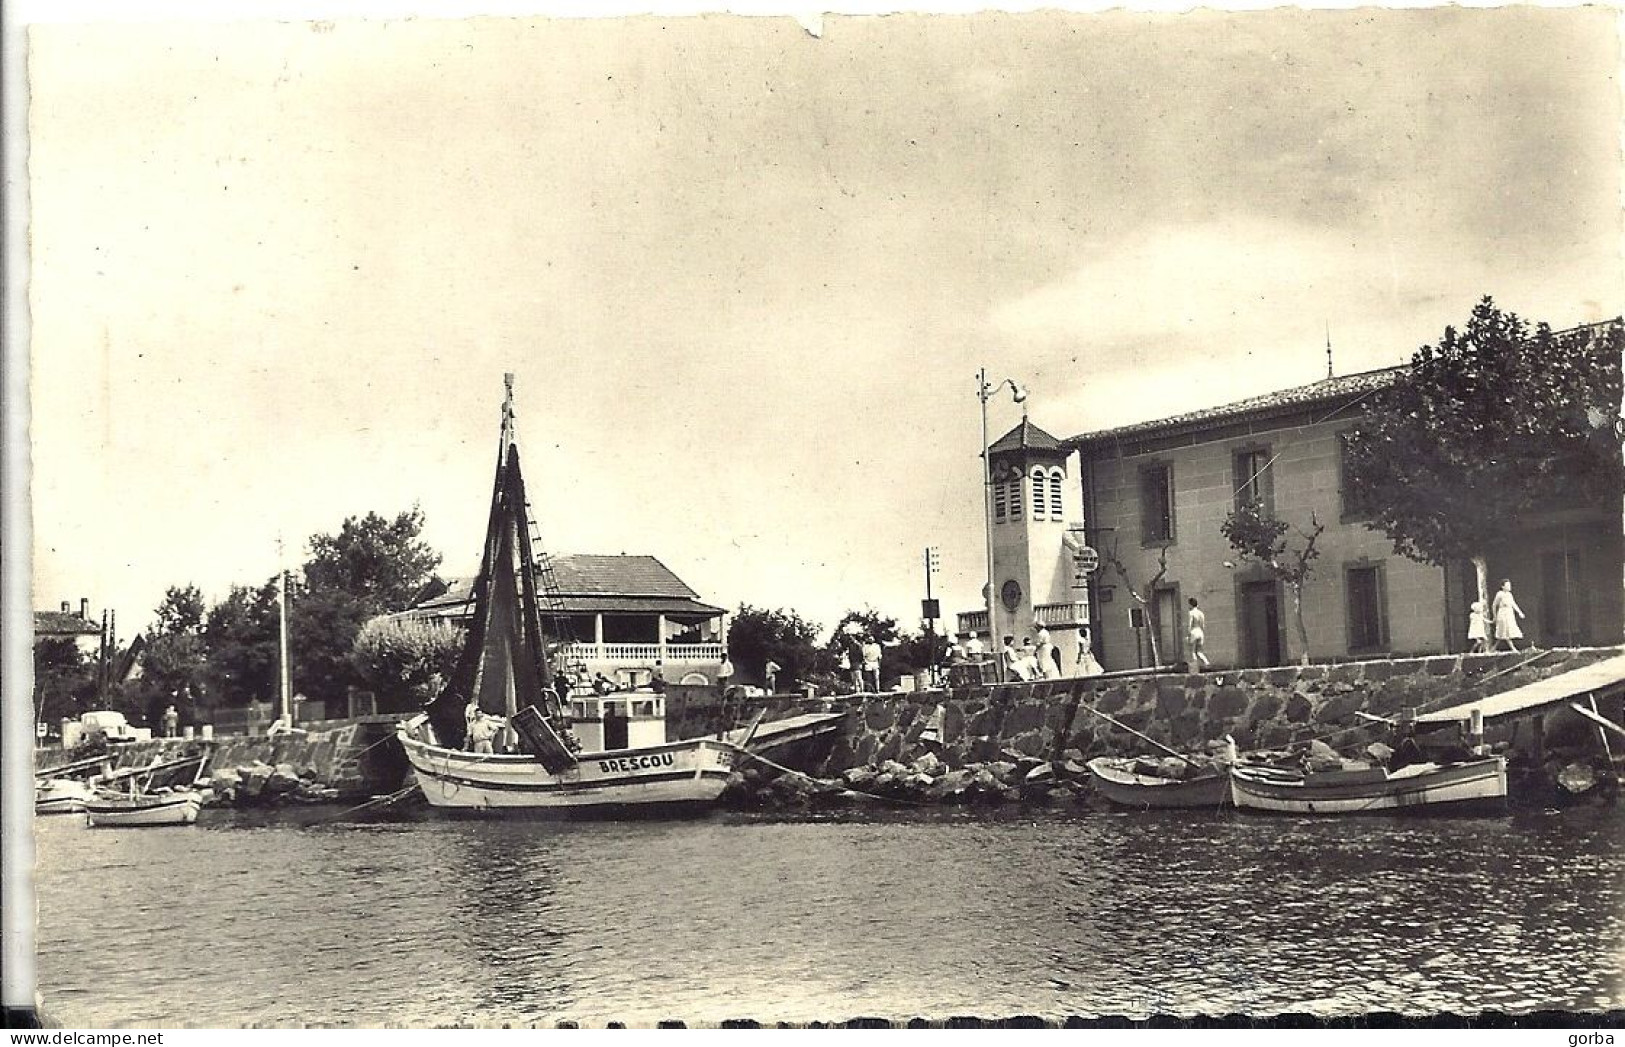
x: 1227, y: 703
x: 1284, y: 676
x: 879, y: 714
x: 953, y: 721
x: 1171, y: 698
x: 1377, y: 672
x: 1445, y: 666
x: 1114, y: 700
x: 1028, y: 716
x: 1340, y: 708
x: 1265, y: 706
x: 1298, y: 709
x: 1030, y: 743
x: 1251, y: 677
x: 1346, y: 674
x: 891, y: 748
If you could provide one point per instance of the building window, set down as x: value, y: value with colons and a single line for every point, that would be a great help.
x: 1056, y: 507
x: 1015, y: 496
x: 1253, y: 478
x: 1368, y: 608
x: 1000, y: 507
x: 1040, y: 504
x: 1356, y: 503
x: 1156, y: 503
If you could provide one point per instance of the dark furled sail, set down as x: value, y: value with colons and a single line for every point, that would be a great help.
x: 503, y: 666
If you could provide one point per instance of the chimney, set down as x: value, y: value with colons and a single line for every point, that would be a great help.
x: 84, y: 608
x: 66, y: 606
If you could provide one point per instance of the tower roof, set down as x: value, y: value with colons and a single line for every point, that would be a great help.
x: 1027, y: 437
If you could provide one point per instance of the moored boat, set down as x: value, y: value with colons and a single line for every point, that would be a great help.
x: 1115, y: 779
x: 134, y: 798
x: 1415, y: 788
x: 60, y: 796
x: 508, y: 733
x: 129, y: 810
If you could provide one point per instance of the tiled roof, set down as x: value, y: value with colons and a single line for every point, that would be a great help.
x: 1024, y: 436
x: 1327, y: 390
x: 459, y: 603
x: 56, y: 623
x: 584, y: 573
x: 595, y: 582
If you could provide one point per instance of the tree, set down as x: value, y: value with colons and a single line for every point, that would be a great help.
x: 1139, y: 595
x: 180, y: 611
x: 383, y: 563
x: 757, y: 635
x: 174, y: 662
x: 405, y: 663
x: 241, y: 638
x: 1496, y: 422
x: 64, y: 680
x: 1256, y: 535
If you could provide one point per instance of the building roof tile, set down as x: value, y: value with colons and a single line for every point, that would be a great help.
x: 56, y: 623
x: 1328, y: 390
x: 1026, y: 436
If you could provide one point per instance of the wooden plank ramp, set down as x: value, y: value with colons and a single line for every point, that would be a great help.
x: 1600, y: 678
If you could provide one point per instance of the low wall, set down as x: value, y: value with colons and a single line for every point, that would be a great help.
x: 1260, y: 708
x: 357, y: 758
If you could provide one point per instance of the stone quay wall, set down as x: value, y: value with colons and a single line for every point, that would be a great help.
x: 353, y: 758
x: 1260, y: 708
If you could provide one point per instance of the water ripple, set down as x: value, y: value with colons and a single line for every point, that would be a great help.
x: 454, y: 922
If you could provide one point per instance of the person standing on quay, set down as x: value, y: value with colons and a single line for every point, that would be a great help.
x: 1198, y: 634
x: 1506, y: 612
x: 1478, y: 635
x: 871, y: 666
x: 771, y: 671
x: 725, y: 674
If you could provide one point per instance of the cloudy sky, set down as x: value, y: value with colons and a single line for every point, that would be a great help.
x: 746, y: 275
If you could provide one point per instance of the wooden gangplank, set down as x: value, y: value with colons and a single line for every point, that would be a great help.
x: 1600, y: 678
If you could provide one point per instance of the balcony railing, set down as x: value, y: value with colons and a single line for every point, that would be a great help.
x: 1048, y: 614
x: 681, y: 653
x: 972, y: 621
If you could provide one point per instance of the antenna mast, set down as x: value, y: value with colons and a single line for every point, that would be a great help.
x: 1328, y: 349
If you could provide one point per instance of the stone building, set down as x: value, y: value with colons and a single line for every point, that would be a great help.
x: 1164, y: 487
x: 1159, y: 490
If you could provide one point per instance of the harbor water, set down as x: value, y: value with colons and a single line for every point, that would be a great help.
x: 261, y: 920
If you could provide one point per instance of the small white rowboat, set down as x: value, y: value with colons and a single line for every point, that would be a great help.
x: 165, y: 807
x: 1422, y: 787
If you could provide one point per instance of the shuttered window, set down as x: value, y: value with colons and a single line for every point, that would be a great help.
x: 1367, y: 609
x: 1156, y: 503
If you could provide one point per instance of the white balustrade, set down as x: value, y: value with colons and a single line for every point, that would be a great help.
x: 1061, y: 613
x: 647, y: 653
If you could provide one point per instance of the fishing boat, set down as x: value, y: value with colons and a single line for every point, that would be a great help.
x: 60, y: 796
x: 1417, y: 788
x: 1115, y: 779
x: 552, y: 750
x: 131, y: 799
x: 64, y: 789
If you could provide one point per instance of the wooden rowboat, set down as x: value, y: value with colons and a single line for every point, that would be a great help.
x: 60, y: 796
x: 129, y: 810
x: 1114, y: 778
x: 1421, y: 787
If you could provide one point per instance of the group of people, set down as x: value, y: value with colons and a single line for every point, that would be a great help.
x: 1037, y: 657
x: 862, y: 663
x: 1502, y: 619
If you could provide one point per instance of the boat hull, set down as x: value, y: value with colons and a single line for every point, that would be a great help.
x: 1113, y: 779
x: 1420, y: 788
x: 60, y: 796
x: 673, y: 777
x: 177, y: 808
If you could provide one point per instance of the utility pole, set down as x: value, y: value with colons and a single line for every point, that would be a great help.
x: 930, y: 611
x: 284, y: 683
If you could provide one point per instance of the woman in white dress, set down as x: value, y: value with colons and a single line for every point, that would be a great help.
x: 1506, y: 612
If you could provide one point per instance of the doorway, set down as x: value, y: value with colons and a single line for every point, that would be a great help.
x: 615, y: 721
x: 1260, y: 624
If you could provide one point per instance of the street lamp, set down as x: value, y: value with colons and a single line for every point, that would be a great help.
x: 984, y: 393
